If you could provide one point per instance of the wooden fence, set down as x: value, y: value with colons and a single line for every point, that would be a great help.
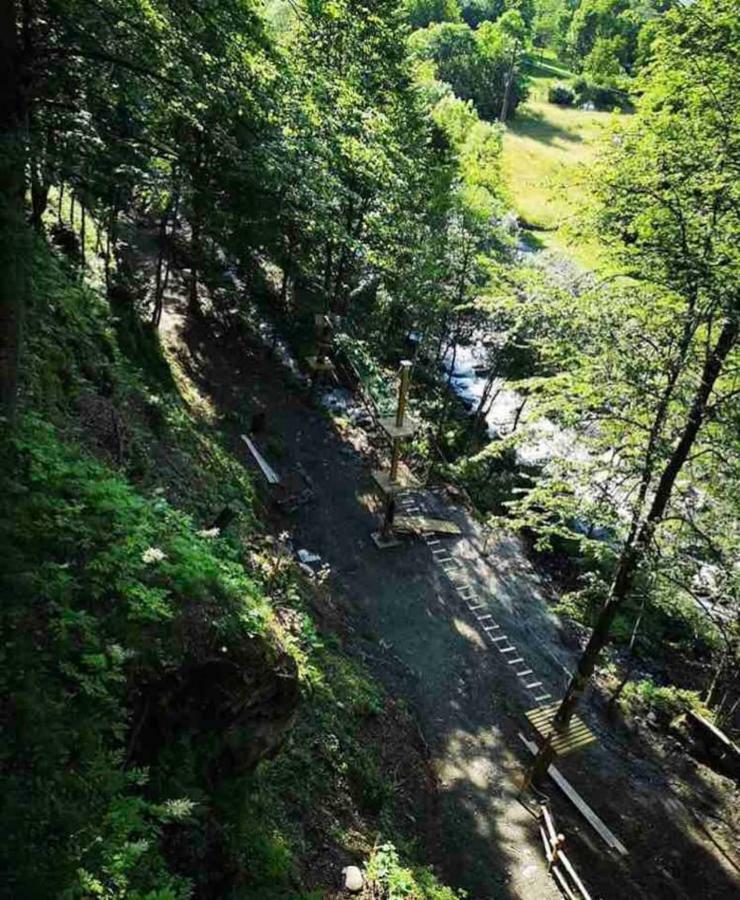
x: 558, y: 863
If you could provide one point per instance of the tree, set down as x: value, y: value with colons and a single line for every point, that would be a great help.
x: 550, y: 24
x: 669, y: 203
x: 14, y: 272
x: 421, y: 13
x: 513, y: 37
x: 602, y: 65
x: 482, y: 65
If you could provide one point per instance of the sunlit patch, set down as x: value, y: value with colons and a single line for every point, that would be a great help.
x: 469, y: 633
x: 368, y: 501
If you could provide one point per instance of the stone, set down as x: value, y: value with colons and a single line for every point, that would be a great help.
x: 352, y: 879
x: 305, y: 556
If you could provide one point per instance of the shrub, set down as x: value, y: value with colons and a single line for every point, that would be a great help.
x: 395, y: 882
x: 104, y: 593
x: 560, y: 94
x: 601, y: 96
x: 664, y: 702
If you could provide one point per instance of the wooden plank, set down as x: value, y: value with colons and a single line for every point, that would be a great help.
x: 559, y: 877
x: 563, y: 859
x: 406, y: 481
x: 388, y: 424
x: 609, y: 838
x: 550, y: 824
x: 546, y: 843
x: 425, y: 525
x: 575, y: 737
x: 719, y: 736
x: 267, y: 470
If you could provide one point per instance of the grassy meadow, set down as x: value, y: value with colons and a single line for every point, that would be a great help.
x: 547, y: 150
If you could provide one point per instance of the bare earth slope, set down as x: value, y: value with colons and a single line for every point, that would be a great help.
x: 408, y: 622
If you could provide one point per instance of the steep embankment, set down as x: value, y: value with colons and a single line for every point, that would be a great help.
x: 157, y: 644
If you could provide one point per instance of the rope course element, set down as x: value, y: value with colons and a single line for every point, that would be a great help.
x: 467, y: 592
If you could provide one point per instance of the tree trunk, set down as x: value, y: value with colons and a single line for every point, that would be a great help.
x: 507, y: 86
x: 39, y: 196
x: 195, y: 252
x: 483, y: 406
x: 110, y: 243
x: 634, y: 550
x: 327, y: 274
x: 83, y: 235
x: 630, y: 658
x: 158, y: 280
x: 170, y: 251
x: 14, y: 243
x: 518, y: 415
x: 35, y: 147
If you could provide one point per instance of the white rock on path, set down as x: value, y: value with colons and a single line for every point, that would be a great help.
x: 352, y: 878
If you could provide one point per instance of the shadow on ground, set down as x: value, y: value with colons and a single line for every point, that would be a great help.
x: 532, y: 124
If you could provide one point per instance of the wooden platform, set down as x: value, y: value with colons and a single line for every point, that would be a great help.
x: 425, y: 525
x: 406, y: 481
x: 575, y: 737
x: 407, y: 430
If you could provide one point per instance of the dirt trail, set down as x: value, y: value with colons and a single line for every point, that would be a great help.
x: 412, y: 628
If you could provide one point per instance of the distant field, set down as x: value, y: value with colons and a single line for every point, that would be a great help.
x: 546, y: 150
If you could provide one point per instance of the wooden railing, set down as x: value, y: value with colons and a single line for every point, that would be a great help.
x: 558, y: 863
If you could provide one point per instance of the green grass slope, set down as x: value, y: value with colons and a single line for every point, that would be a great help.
x: 546, y: 153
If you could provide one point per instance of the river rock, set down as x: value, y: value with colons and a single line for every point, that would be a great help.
x: 352, y: 879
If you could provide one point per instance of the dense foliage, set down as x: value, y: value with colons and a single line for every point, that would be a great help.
x: 346, y: 158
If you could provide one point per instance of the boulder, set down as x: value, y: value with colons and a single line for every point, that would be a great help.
x: 352, y: 880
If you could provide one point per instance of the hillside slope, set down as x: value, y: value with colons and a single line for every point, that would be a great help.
x: 173, y: 724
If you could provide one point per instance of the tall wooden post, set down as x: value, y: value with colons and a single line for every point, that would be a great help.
x: 396, y: 428
x: 403, y: 391
x: 320, y: 364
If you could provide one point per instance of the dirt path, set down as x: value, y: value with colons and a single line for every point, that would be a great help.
x: 418, y: 636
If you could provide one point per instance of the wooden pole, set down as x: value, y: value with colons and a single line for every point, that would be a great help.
x: 395, y: 460
x: 403, y: 391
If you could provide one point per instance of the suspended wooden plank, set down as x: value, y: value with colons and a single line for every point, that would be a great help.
x: 567, y: 865
x: 601, y: 829
x: 425, y: 525
x: 267, y: 470
x: 575, y: 736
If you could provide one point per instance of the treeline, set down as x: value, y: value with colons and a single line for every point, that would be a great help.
x: 299, y: 138
x: 482, y: 47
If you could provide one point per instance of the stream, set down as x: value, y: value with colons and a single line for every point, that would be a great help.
x: 541, y: 439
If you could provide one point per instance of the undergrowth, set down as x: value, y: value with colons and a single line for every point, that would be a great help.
x: 151, y: 740
x: 665, y: 702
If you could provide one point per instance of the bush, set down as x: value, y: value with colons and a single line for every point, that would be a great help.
x: 602, y: 97
x: 561, y: 94
x: 666, y: 703
x: 105, y: 593
x: 394, y: 882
